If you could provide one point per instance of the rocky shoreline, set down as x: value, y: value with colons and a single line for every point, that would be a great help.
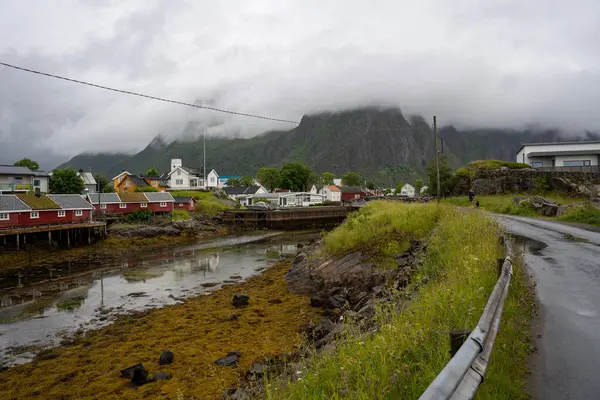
x: 349, y: 290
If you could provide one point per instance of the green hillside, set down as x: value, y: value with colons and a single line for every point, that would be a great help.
x: 379, y: 143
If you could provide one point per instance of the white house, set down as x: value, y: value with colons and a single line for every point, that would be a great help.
x: 332, y: 193
x: 212, y: 180
x: 285, y: 199
x: 407, y: 190
x: 184, y: 178
x: 560, y: 154
x: 424, y: 189
x: 89, y: 181
x: 244, y: 194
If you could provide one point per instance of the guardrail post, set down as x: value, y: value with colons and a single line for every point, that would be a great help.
x: 457, y: 338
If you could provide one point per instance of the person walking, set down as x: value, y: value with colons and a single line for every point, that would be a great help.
x: 471, y: 196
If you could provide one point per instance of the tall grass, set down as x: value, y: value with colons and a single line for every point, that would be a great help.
x: 385, y: 225
x: 402, y: 359
x: 206, y: 202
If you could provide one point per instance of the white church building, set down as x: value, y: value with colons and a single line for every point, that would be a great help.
x: 189, y: 178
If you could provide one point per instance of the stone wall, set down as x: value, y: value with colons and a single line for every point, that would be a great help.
x: 500, y: 181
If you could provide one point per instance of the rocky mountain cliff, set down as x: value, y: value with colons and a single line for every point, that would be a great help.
x: 379, y: 143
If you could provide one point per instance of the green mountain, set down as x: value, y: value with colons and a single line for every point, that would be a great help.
x: 379, y: 143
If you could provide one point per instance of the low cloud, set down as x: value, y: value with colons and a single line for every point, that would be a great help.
x: 473, y: 64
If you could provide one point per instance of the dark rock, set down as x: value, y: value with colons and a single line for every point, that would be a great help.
x: 127, y: 373
x: 3, y: 368
x: 209, y: 284
x: 316, y: 302
x: 230, y: 360
x: 258, y: 370
x: 240, y: 300
x: 166, y: 357
x: 233, y: 317
x: 140, y: 375
x: 336, y: 301
x: 161, y: 376
x: 275, y: 301
x: 299, y: 258
x: 299, y: 246
x: 137, y: 294
x: 235, y: 277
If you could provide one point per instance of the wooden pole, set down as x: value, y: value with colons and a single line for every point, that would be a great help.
x: 69, y: 239
x: 437, y: 157
x: 89, y: 235
x: 50, y: 239
x: 18, y: 241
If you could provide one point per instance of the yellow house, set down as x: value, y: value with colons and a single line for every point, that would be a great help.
x: 117, y: 180
x: 126, y: 182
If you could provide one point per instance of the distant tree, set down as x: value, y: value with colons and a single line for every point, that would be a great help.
x: 102, y: 183
x: 247, y: 181
x: 269, y: 178
x: 327, y: 178
x: 295, y: 176
x: 234, y: 182
x: 240, y: 182
x: 351, y: 179
x: 418, y: 186
x: 66, y: 181
x: 446, y: 177
x: 153, y: 172
x: 399, y: 188
x: 370, y: 185
x: 108, y: 188
x: 29, y: 163
x: 145, y: 189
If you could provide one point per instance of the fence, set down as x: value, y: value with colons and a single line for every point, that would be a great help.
x: 587, y: 168
x: 461, y: 377
x: 15, y: 187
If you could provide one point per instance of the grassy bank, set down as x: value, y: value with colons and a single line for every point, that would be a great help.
x: 411, y: 348
x: 198, y: 332
x: 206, y: 202
x: 382, y: 228
x: 504, y: 204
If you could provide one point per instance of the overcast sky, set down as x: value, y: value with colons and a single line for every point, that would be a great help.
x: 470, y: 62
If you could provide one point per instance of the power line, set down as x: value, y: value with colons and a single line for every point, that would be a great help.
x: 146, y: 96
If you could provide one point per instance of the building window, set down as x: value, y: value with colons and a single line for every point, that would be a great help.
x: 179, y: 181
x: 61, y: 214
x: 4, y: 217
x: 537, y: 164
x: 36, y: 182
x: 122, y: 205
x: 163, y: 204
x: 78, y: 213
x: 126, y: 183
x: 212, y: 179
x: 34, y: 215
x: 103, y: 206
x: 577, y: 163
x: 144, y: 205
x: 180, y: 204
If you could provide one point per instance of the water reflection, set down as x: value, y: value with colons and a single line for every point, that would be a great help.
x: 42, y: 313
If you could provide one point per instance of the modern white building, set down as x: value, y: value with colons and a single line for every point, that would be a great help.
x: 212, y: 180
x: 15, y: 179
x: 285, y: 199
x: 560, y: 154
x: 407, y: 190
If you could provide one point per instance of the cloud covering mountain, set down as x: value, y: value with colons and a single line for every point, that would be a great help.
x: 472, y: 63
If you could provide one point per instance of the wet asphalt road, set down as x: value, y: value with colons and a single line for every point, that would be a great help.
x: 565, y: 263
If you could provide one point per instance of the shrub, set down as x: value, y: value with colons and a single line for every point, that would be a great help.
x: 140, y: 216
x: 179, y: 215
x: 542, y: 185
x: 145, y: 189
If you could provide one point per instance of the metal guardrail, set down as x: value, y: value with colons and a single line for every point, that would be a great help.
x: 462, y: 376
x: 15, y: 187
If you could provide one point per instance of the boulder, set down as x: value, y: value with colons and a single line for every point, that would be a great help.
x: 518, y: 199
x: 240, y: 300
x: 561, y: 209
x: 140, y: 375
x: 275, y: 301
x: 166, y: 357
x: 230, y: 360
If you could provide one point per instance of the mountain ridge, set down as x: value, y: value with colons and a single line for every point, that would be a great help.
x: 379, y: 143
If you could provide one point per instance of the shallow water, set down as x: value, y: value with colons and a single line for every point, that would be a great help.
x: 34, y: 319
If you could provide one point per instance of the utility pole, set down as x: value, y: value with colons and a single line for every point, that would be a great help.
x: 204, y: 167
x: 437, y: 158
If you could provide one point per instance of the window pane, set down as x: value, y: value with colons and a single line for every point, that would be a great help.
x: 576, y: 163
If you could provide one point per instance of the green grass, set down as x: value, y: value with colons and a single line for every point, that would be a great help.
x: 382, y: 226
x: 472, y: 167
x: 585, y: 214
x: 206, y: 202
x: 504, y: 204
x: 180, y: 215
x: 411, y: 348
